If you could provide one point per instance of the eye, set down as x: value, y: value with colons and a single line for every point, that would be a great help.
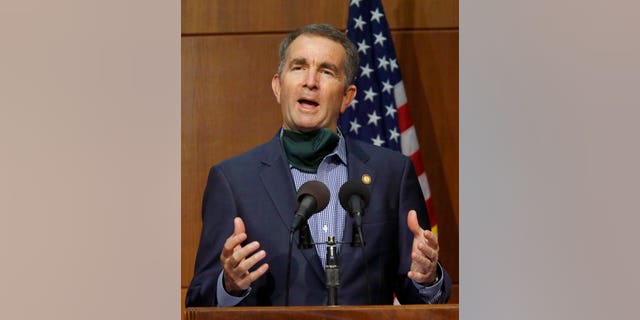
x: 327, y: 72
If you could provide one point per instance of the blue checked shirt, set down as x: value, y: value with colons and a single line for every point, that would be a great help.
x: 329, y: 222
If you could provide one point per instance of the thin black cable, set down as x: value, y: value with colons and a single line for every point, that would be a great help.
x: 366, y: 262
x: 286, y: 297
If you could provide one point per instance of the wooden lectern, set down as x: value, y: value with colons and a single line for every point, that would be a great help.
x: 406, y: 312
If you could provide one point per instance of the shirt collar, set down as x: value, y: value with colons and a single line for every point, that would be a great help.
x: 341, y: 148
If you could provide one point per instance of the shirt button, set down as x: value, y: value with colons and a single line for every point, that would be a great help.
x: 325, y: 228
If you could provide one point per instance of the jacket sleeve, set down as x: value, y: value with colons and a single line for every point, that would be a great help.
x: 411, y: 198
x: 218, y: 211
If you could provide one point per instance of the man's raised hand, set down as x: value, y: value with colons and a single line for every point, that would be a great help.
x: 237, y: 260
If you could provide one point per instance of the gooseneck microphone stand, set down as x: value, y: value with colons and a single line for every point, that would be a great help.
x: 332, y: 272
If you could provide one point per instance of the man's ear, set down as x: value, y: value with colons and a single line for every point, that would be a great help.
x: 349, y: 95
x: 275, y: 86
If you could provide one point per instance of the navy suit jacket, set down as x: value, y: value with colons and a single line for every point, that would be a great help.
x: 257, y: 186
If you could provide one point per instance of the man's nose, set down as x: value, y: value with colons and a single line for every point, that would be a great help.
x: 311, y: 79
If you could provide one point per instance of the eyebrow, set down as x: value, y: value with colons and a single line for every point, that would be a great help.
x: 297, y: 61
x: 324, y: 65
x: 330, y: 66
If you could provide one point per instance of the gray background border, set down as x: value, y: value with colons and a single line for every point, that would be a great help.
x: 89, y: 129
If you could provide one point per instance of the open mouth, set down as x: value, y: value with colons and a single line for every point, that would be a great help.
x: 308, y: 103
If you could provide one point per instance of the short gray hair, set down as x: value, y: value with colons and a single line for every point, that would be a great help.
x: 329, y: 32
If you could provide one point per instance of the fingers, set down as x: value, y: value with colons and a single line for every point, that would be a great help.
x: 424, y: 240
x: 239, y: 235
x: 237, y: 276
x: 412, y: 222
x: 431, y: 241
x: 232, y: 244
x: 431, y: 238
x: 425, y: 251
x: 243, y: 259
x: 426, y: 278
x: 237, y: 260
x: 241, y: 275
x: 238, y: 226
x: 424, y: 261
x: 421, y: 261
x: 248, y: 278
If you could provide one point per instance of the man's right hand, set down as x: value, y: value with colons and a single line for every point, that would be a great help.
x: 237, y: 260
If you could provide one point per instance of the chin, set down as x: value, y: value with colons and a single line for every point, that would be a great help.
x: 306, y: 129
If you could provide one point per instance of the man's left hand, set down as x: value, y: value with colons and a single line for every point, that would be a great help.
x: 424, y: 253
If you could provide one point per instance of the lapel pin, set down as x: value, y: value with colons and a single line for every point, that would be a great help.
x: 366, y: 179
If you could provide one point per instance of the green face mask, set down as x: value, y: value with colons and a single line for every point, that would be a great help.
x: 305, y: 150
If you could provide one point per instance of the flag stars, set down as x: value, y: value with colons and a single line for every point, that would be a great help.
x: 380, y: 39
x: 354, y: 125
x: 376, y: 15
x: 377, y: 141
x: 394, y: 135
x: 391, y: 111
x: 363, y: 46
x: 393, y: 64
x: 366, y: 71
x: 378, y: 76
x: 369, y: 94
x: 387, y: 87
x: 373, y: 118
x: 359, y: 23
x: 383, y: 63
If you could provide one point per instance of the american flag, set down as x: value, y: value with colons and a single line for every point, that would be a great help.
x: 379, y: 114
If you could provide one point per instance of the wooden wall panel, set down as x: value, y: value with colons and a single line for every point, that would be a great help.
x: 429, y: 65
x: 227, y: 108
x: 248, y: 16
x: 420, y: 14
x: 229, y: 54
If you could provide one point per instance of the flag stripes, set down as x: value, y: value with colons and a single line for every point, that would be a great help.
x: 380, y: 114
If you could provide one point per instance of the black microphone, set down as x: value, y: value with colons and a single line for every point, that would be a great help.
x: 354, y: 197
x: 313, y: 196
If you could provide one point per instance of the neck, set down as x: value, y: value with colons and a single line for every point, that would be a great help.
x: 305, y: 150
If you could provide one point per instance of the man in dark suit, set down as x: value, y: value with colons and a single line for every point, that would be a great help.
x: 250, y: 200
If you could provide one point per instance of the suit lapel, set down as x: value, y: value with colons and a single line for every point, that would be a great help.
x: 357, y: 167
x: 276, y: 178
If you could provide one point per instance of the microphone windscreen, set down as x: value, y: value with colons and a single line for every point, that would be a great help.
x: 318, y: 191
x: 351, y: 188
